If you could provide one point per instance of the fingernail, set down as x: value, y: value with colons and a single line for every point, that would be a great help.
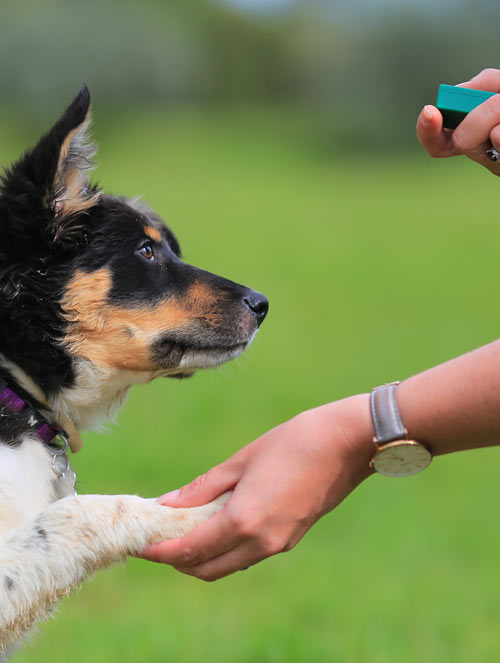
x: 427, y: 114
x: 168, y: 497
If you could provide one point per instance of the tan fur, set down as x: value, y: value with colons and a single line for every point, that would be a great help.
x: 153, y: 233
x: 121, y: 338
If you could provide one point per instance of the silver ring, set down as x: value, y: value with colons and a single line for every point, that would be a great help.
x: 493, y: 154
x: 64, y: 438
x: 61, y: 473
x: 61, y: 453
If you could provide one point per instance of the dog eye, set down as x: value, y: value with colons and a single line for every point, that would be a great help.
x: 147, y: 252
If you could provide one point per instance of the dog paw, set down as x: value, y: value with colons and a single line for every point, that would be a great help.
x: 218, y: 503
x: 176, y: 522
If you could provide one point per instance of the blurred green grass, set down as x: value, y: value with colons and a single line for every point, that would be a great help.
x: 376, y: 266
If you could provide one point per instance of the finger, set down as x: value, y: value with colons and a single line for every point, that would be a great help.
x: 238, y: 559
x: 487, y: 80
x: 495, y: 137
x: 214, y: 537
x: 436, y: 140
x: 241, y: 557
x: 206, y: 487
x: 472, y: 135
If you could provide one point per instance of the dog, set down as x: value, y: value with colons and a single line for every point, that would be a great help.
x: 94, y: 297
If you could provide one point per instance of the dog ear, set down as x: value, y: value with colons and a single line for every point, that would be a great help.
x: 69, y: 191
x: 69, y: 152
x: 52, y: 178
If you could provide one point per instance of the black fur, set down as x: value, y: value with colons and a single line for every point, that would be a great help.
x: 33, y: 266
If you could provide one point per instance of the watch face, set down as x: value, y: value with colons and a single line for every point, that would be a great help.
x: 401, y: 458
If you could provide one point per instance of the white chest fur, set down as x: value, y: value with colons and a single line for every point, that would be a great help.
x: 52, y: 540
x: 26, y: 482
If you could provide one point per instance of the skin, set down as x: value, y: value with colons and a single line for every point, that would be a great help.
x: 284, y: 481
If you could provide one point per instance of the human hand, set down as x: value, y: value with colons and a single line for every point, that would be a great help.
x: 474, y: 134
x: 283, y: 483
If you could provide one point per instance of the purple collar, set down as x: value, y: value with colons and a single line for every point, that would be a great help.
x: 39, y: 425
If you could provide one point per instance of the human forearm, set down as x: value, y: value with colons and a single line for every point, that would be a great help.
x: 451, y: 407
x: 456, y: 405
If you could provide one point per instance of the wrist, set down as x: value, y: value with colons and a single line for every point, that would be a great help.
x: 397, y: 454
x: 351, y: 418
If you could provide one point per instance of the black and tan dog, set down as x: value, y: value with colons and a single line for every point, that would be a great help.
x: 94, y: 297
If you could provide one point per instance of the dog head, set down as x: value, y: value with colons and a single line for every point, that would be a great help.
x: 87, y: 277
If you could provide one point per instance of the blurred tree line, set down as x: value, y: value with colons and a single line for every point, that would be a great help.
x: 367, y: 67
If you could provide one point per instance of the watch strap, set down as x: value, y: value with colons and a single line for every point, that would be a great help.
x: 385, y: 414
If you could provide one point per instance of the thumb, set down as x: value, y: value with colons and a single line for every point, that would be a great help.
x: 431, y: 135
x: 204, y: 488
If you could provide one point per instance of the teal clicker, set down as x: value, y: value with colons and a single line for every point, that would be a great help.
x: 455, y: 102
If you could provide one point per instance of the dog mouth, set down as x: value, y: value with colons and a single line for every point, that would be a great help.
x: 180, y: 358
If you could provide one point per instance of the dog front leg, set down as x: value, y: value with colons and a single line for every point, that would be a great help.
x: 70, y: 540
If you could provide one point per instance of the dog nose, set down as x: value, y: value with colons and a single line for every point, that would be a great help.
x: 257, y: 303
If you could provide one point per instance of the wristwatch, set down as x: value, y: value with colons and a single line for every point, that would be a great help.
x: 396, y: 455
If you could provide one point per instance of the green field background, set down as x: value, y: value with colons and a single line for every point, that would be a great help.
x: 377, y: 265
